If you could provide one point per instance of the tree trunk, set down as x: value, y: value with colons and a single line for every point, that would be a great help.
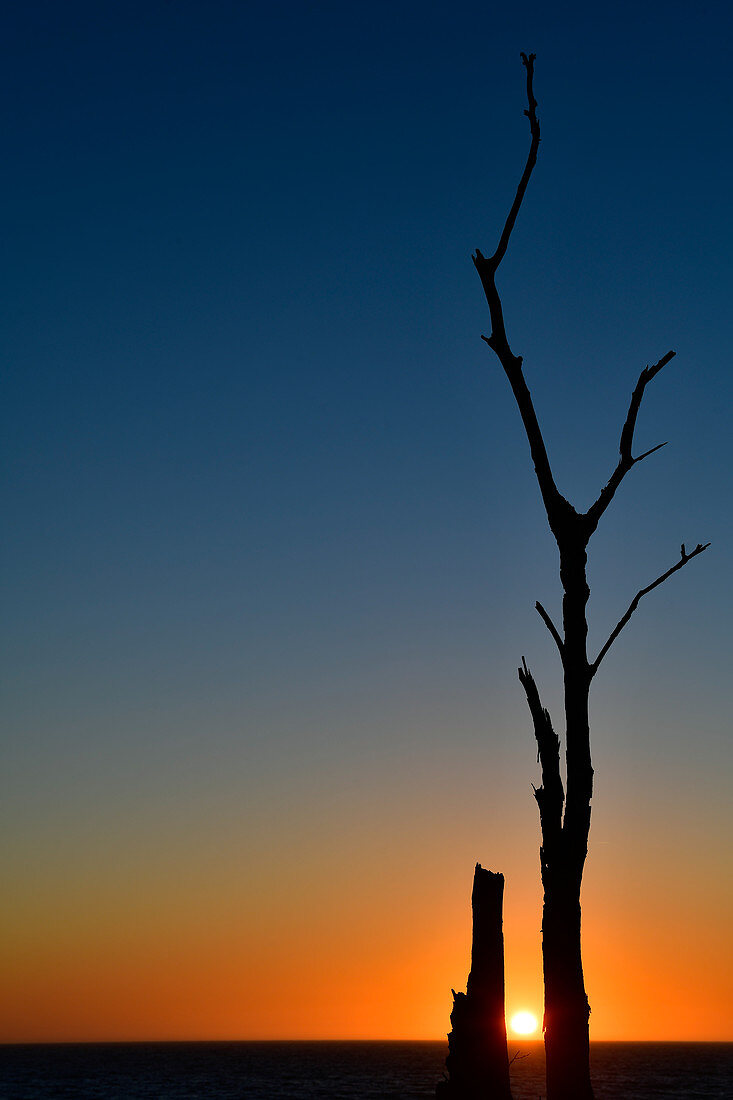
x: 566, y: 1005
x: 567, y: 1010
x: 565, y: 834
x: 477, y: 1062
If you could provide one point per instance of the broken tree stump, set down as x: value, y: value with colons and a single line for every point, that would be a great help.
x: 477, y: 1063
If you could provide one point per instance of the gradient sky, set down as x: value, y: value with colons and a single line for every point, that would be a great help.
x: 273, y: 540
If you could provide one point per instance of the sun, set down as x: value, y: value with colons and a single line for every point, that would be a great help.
x: 523, y: 1023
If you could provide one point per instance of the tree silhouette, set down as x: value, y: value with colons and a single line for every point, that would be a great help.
x: 564, y: 811
x: 478, y: 1064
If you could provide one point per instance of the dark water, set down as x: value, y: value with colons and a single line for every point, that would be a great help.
x: 336, y: 1071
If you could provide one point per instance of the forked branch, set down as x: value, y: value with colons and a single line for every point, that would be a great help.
x: 626, y: 459
x: 684, y: 558
x: 557, y: 508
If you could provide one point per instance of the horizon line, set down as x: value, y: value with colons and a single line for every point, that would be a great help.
x: 129, y: 1042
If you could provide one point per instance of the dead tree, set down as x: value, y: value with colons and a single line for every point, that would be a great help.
x: 477, y: 1062
x: 564, y: 811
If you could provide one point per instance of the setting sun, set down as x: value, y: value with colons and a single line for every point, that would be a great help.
x: 523, y: 1023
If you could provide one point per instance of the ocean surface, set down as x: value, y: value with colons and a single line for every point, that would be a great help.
x: 336, y: 1071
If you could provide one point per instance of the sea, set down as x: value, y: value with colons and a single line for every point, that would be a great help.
x: 337, y: 1071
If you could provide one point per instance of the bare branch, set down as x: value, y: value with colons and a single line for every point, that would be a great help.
x: 626, y: 460
x: 684, y: 558
x: 651, y: 451
x: 534, y: 127
x: 557, y: 508
x: 487, y: 266
x: 552, y: 628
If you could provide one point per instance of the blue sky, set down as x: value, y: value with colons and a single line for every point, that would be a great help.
x: 271, y: 521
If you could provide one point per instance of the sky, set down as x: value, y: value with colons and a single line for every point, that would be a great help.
x: 273, y: 541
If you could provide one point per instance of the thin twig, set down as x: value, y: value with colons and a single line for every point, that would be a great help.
x: 684, y: 558
x: 534, y: 127
x: 626, y: 460
x: 552, y: 628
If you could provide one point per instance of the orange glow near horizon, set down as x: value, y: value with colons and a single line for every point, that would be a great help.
x: 319, y: 916
x: 370, y: 952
